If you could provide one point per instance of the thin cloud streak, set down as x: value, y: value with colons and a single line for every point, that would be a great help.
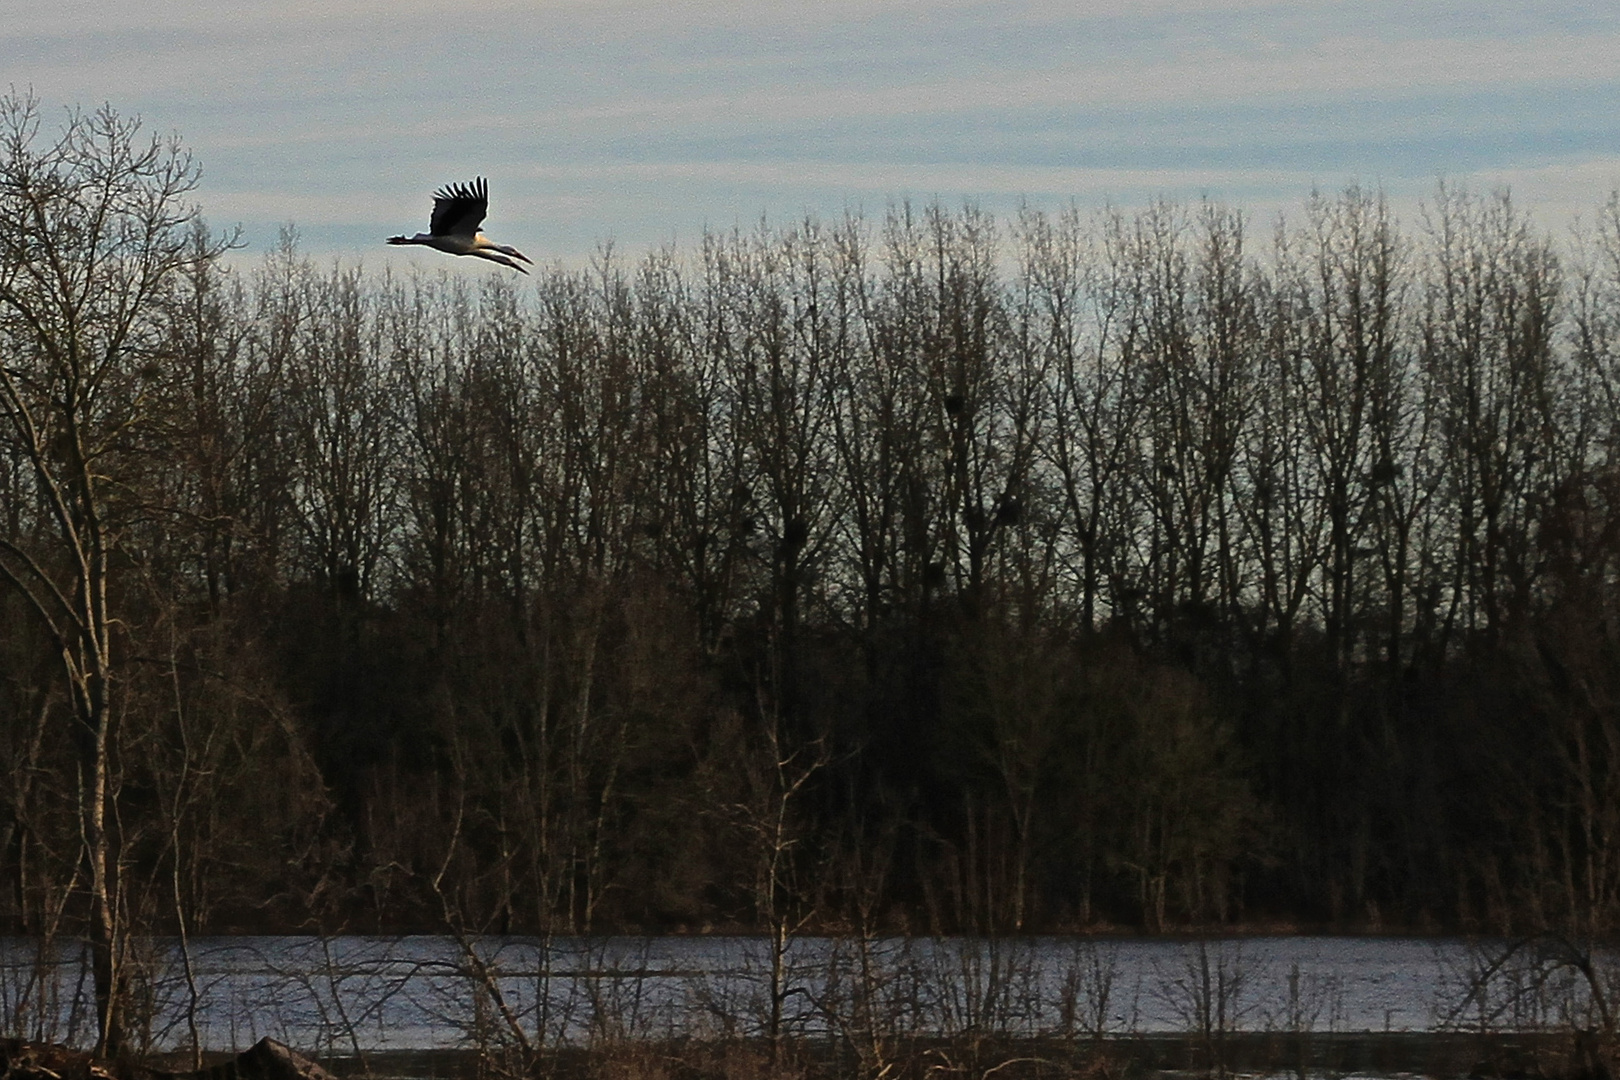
x: 585, y: 113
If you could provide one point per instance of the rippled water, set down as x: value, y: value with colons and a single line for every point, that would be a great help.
x: 344, y: 994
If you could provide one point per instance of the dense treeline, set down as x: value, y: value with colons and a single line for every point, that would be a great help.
x: 1144, y: 568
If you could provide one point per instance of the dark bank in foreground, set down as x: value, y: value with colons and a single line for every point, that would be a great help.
x: 1495, y: 1056
x: 265, y: 1060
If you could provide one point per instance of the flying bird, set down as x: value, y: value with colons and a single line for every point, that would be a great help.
x: 458, y: 210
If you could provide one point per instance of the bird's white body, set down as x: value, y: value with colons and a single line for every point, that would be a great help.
x: 458, y: 210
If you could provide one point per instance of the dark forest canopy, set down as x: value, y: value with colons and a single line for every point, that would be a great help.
x: 1139, y: 568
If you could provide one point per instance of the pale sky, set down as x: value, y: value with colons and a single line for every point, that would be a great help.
x: 644, y: 123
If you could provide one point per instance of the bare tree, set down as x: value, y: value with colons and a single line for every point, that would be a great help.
x: 1080, y: 281
x: 1490, y: 319
x: 94, y: 233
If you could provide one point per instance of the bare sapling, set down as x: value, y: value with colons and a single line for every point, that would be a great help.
x: 1313, y: 1001
x: 1093, y: 1002
x: 1211, y: 993
x: 1547, y: 982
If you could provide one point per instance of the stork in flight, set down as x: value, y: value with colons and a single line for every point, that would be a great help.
x: 458, y: 210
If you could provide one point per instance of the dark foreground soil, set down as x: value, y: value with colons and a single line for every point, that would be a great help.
x: 1493, y: 1056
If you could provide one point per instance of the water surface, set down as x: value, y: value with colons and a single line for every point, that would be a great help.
x: 346, y: 994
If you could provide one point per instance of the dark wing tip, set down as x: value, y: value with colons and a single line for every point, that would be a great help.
x: 477, y: 190
x: 460, y: 207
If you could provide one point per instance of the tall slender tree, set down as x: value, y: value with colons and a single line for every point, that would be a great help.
x: 95, y: 232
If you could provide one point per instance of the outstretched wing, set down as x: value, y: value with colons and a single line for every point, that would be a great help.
x: 458, y: 209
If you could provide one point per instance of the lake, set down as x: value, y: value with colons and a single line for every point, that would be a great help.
x: 346, y: 994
